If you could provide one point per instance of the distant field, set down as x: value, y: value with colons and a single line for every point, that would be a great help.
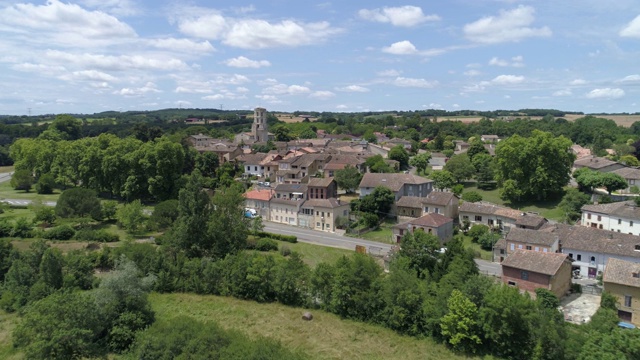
x: 464, y: 119
x: 290, y: 118
x: 326, y: 337
x: 622, y: 120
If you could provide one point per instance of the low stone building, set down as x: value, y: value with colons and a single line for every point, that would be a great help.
x: 530, y: 270
x: 622, y: 280
x: 435, y: 224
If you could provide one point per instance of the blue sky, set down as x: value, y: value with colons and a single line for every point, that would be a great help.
x: 89, y: 56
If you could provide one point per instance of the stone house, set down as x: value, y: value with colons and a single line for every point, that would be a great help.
x: 431, y: 223
x: 498, y: 216
x: 322, y: 188
x: 622, y: 280
x: 400, y: 184
x: 525, y: 239
x: 438, y: 202
x: 632, y: 175
x: 622, y: 217
x: 597, y: 164
x: 530, y: 270
x: 323, y: 213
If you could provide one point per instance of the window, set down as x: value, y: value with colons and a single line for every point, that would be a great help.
x: 437, y: 210
x: 627, y: 300
x: 317, y: 224
x: 589, y: 216
x: 328, y: 226
x: 528, y: 247
x: 426, y: 210
x: 537, y: 248
x: 600, y: 227
x: 501, y: 251
x: 255, y: 168
x: 593, y: 259
x: 520, y: 246
x: 513, y: 247
x: 599, y: 218
x: 465, y: 217
x: 544, y: 249
x: 478, y: 218
x: 619, y: 221
x: 317, y: 213
x: 579, y: 258
x: 512, y: 283
x: 524, y: 275
x: 636, y: 248
x: 570, y: 255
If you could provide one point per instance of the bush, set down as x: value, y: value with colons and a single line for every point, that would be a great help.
x: 472, y: 196
x: 266, y: 244
x: 96, y: 235
x: 285, y: 251
x: 62, y: 232
x: 79, y: 202
x: 288, y: 238
x: 252, y: 244
x: 45, y: 184
x: 576, y: 288
x: 164, y: 214
x: 477, y: 231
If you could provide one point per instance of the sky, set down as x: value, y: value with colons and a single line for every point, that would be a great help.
x: 88, y: 56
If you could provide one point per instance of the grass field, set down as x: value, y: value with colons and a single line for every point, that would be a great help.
x: 7, y: 323
x: 326, y: 337
x: 7, y: 192
x: 477, y: 250
x: 6, y: 169
x: 313, y: 255
x: 548, y: 208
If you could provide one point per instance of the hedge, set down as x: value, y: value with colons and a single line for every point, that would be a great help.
x: 266, y: 244
x: 288, y: 238
x: 96, y: 235
x: 62, y: 232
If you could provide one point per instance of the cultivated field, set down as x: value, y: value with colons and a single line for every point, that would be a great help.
x: 623, y: 120
x: 290, y: 118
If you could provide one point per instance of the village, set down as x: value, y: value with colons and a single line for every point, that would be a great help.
x: 295, y: 185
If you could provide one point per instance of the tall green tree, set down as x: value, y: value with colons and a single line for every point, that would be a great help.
x: 460, y: 167
x: 348, y: 178
x: 22, y: 180
x: 442, y: 179
x: 190, y: 230
x: 79, y: 202
x: 572, y: 201
x: 399, y: 154
x: 130, y: 216
x: 538, y: 165
x: 422, y: 251
x: 476, y: 147
x: 228, y: 227
x: 420, y: 162
x: 460, y: 325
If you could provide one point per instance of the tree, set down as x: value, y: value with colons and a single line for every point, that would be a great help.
x: 476, y: 147
x: 228, y: 227
x: 190, y: 231
x: 459, y: 326
x: 130, y: 216
x: 378, y: 202
x: 45, y: 215
x: 538, y: 165
x: 612, y: 182
x: 457, y: 189
x: 64, y: 325
x: 22, y: 180
x: 109, y: 209
x: 422, y: 251
x: 45, y: 184
x: 164, y: 214
x: 282, y: 133
x: 510, y: 191
x: 79, y: 202
x: 442, y: 179
x: 547, y: 299
x: 488, y: 239
x: 629, y: 160
x: 51, y: 269
x: 207, y: 163
x: 376, y: 164
x: 348, y: 178
x: 485, y: 168
x: 308, y: 134
x: 572, y: 203
x: 399, y: 154
x: 471, y: 196
x: 420, y: 162
x: 477, y: 231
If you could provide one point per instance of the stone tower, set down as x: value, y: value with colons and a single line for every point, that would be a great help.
x: 260, y: 129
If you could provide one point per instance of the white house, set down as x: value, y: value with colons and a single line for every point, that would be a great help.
x: 622, y: 217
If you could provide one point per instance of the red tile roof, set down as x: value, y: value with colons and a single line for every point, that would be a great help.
x: 259, y: 194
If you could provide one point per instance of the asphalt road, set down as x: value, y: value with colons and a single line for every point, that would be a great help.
x: 349, y: 243
x: 5, y: 176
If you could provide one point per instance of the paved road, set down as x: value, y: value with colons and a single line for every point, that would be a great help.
x: 345, y: 242
x: 20, y: 202
x: 5, y: 176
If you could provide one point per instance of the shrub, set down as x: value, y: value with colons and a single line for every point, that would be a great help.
x: 285, y: 251
x: 62, y: 232
x: 251, y: 244
x: 472, y: 196
x: 576, y: 288
x: 79, y: 202
x: 266, y: 244
x: 288, y: 238
x: 164, y: 214
x: 96, y: 235
x: 477, y: 231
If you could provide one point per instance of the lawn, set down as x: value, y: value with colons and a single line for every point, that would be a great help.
x: 313, y: 255
x: 13, y: 214
x: 326, y: 337
x: 7, y: 323
x: 382, y: 234
x: 477, y: 250
x: 6, y: 169
x: 7, y: 192
x: 547, y: 208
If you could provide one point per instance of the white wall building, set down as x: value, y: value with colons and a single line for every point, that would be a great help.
x: 622, y: 217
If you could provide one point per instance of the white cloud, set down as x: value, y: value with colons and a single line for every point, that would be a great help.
x: 390, y: 72
x: 88, y: 75
x: 183, y: 45
x: 254, y: 33
x: 630, y: 78
x: 508, y: 26
x: 64, y: 24
x: 269, y: 98
x: 353, y: 88
x: 322, y: 95
x: 507, y: 80
x: 516, y: 61
x: 342, y: 107
x: 412, y: 82
x: 122, y: 62
x: 406, y: 16
x: 578, y: 82
x: 242, y: 89
x: 283, y: 89
x: 116, y: 7
x: 404, y: 47
x: 432, y: 106
x: 632, y: 29
x: 564, y: 92
x: 243, y: 62
x: 605, y: 93
x: 49, y: 70
x: 133, y: 92
x: 472, y: 72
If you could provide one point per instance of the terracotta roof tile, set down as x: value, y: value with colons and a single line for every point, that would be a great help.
x: 621, y: 272
x: 535, y: 261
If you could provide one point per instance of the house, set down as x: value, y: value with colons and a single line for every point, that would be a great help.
x: 284, y: 210
x: 309, y: 164
x: 530, y: 270
x: 622, y: 217
x: 525, y: 239
x: 592, y: 248
x: 632, y: 175
x: 259, y: 201
x: 438, y: 202
x: 322, y: 188
x: 490, y: 138
x: 324, y: 213
x: 252, y: 164
x: 438, y: 161
x: 435, y: 224
x: 461, y: 146
x: 493, y: 215
x: 400, y: 184
x: 339, y: 162
x: 597, y: 164
x: 397, y: 141
x: 226, y: 152
x: 579, y: 151
x: 622, y: 280
x: 296, y: 192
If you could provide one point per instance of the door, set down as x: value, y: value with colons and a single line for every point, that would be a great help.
x: 624, y: 315
x: 592, y: 272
